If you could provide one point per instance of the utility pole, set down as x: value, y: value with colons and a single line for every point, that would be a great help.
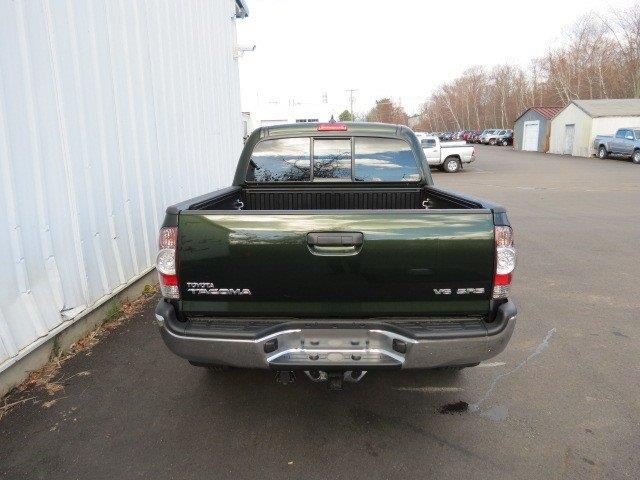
x: 351, y: 92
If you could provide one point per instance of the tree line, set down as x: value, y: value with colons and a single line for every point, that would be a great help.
x: 597, y: 57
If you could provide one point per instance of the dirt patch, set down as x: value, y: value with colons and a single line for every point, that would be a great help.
x: 47, y: 378
x: 454, y: 407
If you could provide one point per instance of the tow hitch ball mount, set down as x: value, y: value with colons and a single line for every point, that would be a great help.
x: 334, y: 378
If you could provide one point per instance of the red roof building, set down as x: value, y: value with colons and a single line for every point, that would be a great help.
x: 531, y: 129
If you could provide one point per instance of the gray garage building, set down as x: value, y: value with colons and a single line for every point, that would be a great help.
x: 531, y: 129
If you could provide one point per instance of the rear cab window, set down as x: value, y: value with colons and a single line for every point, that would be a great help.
x: 384, y: 160
x: 332, y: 160
x: 345, y: 159
x: 281, y: 160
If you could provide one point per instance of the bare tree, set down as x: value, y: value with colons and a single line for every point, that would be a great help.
x: 595, y: 57
x: 386, y: 111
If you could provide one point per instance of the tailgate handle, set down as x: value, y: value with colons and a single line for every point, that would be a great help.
x: 335, y: 239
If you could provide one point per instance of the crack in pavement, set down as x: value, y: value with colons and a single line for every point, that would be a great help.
x: 475, y: 407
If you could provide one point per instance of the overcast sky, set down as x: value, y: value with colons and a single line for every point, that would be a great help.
x: 401, y: 49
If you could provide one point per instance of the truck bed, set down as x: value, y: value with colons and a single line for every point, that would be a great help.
x: 330, y: 198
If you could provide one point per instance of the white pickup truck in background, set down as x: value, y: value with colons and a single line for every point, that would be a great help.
x: 447, y: 156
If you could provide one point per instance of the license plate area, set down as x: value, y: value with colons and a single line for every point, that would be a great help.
x: 338, y: 348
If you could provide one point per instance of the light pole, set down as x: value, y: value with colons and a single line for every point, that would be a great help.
x: 351, y: 92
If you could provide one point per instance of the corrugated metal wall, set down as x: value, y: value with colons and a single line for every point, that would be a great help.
x: 110, y: 110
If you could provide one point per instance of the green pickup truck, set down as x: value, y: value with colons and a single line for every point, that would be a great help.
x: 333, y: 253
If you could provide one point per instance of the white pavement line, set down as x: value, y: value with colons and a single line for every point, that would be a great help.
x: 491, y: 364
x: 539, y: 349
x: 431, y: 389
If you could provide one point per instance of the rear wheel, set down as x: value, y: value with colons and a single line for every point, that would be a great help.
x: 602, y: 152
x: 505, y: 143
x: 451, y: 165
x: 635, y: 158
x: 492, y: 141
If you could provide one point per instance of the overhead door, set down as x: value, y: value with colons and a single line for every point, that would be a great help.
x: 530, y: 136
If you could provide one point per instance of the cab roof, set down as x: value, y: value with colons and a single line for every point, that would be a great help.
x: 316, y: 129
x: 339, y: 129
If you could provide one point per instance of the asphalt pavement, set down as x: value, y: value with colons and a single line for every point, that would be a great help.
x: 563, y: 400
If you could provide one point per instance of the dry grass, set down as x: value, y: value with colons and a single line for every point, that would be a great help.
x: 47, y: 378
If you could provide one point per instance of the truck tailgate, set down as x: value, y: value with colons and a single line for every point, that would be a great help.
x: 337, y: 264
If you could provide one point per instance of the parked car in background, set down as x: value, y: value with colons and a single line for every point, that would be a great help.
x: 465, y: 135
x: 496, y: 136
x: 625, y: 143
x: 460, y: 135
x: 470, y: 136
x: 447, y: 156
x: 504, y: 138
x: 484, y: 136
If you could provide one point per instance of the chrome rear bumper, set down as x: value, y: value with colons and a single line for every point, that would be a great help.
x: 342, y: 348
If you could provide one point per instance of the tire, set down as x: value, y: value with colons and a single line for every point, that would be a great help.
x: 635, y: 158
x: 602, y: 152
x: 504, y: 143
x: 492, y: 142
x: 451, y: 165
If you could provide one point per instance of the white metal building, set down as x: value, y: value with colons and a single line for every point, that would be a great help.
x: 575, y: 127
x: 274, y: 110
x: 110, y: 110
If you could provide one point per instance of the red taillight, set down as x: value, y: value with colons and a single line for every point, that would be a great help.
x: 505, y: 261
x: 501, y: 280
x: 332, y: 127
x: 169, y: 280
x: 166, y: 262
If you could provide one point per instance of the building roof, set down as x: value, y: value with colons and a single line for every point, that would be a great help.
x: 546, y: 112
x: 612, y: 107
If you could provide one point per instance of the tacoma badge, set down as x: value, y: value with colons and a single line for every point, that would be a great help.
x: 207, y: 288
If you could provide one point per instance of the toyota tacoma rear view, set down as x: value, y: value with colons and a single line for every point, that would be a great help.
x: 333, y: 254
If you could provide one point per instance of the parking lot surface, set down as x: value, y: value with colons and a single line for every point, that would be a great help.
x: 563, y: 400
